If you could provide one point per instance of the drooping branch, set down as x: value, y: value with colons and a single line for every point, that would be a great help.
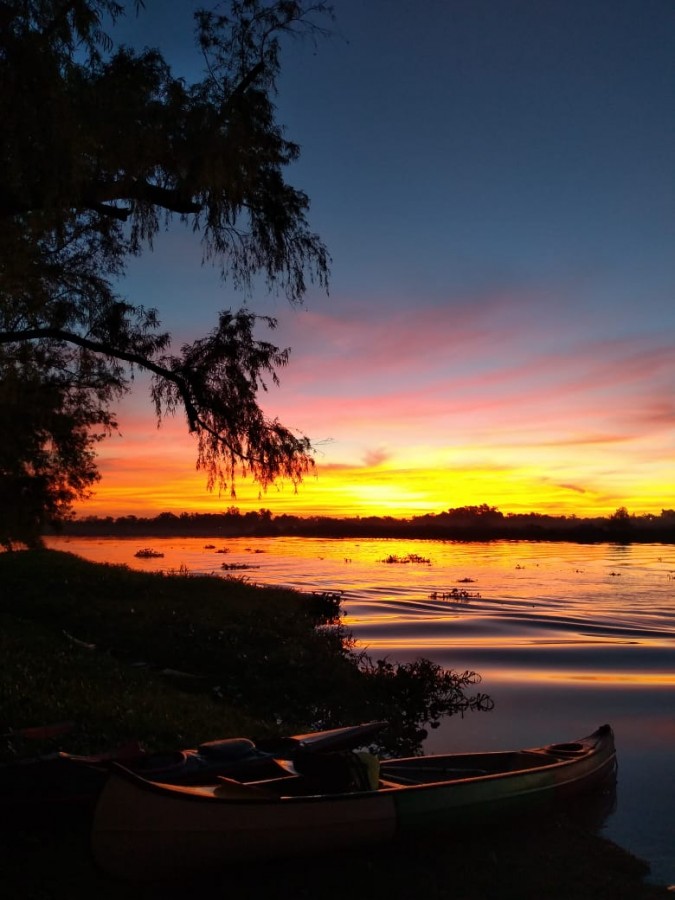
x: 98, y: 197
x: 216, y: 380
x: 69, y: 337
x: 171, y: 199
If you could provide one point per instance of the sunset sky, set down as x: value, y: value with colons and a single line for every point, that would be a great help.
x: 495, y: 182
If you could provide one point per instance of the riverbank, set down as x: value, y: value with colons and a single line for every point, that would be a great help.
x: 176, y: 659
x: 468, y: 524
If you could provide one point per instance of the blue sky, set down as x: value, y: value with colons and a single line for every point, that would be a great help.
x: 494, y: 181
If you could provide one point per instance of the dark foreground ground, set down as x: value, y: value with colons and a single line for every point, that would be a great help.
x: 556, y: 860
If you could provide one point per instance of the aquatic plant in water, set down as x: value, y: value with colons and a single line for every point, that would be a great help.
x: 404, y: 560
x: 454, y: 594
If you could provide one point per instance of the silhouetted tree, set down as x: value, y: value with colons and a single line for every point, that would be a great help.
x: 102, y: 146
x: 620, y: 519
x: 47, y: 433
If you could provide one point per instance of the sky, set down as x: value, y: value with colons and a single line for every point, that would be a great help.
x: 494, y: 180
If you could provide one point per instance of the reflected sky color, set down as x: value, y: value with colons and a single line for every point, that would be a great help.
x: 524, y: 612
x: 495, y: 184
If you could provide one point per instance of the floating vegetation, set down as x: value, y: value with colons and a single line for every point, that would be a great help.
x: 465, y: 580
x: 147, y: 553
x: 404, y: 560
x: 454, y: 594
x: 230, y: 567
x: 224, y: 550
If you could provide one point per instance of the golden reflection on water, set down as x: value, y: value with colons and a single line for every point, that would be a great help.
x: 577, y: 613
x: 639, y: 679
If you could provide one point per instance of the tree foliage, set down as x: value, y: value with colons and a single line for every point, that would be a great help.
x: 102, y: 147
x: 46, y: 450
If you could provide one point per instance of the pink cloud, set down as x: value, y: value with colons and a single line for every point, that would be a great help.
x: 376, y: 457
x: 501, y: 376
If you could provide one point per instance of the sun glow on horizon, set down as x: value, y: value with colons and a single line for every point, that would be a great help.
x: 157, y: 474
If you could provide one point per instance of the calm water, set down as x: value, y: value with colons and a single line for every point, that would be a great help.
x: 565, y: 636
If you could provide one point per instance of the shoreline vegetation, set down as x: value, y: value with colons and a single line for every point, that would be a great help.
x: 467, y: 523
x: 120, y: 648
x: 175, y: 659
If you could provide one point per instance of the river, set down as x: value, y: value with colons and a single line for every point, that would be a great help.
x: 565, y: 636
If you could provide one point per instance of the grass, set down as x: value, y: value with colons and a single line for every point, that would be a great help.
x: 222, y: 658
x: 46, y: 678
x: 167, y: 658
x: 235, y: 656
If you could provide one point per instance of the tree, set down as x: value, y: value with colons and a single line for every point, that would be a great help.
x: 46, y: 451
x: 621, y: 520
x: 101, y: 147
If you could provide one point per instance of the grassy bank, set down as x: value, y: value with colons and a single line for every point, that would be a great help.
x: 168, y: 659
x: 173, y: 660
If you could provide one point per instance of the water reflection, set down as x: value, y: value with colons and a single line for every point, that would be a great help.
x: 592, y: 811
x: 550, y: 610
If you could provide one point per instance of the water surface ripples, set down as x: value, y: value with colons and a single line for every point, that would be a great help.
x: 578, y: 610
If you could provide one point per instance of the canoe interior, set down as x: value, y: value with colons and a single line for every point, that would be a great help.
x: 428, y: 770
x: 594, y: 755
x: 75, y: 781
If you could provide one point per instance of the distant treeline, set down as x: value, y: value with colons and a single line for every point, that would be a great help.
x: 467, y: 523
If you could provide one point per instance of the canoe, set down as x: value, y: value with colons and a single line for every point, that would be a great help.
x: 64, y: 779
x: 145, y: 830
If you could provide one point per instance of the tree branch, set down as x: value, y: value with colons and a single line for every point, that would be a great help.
x: 195, y: 421
x: 113, y: 211
x: 58, y: 334
x: 171, y: 199
x: 98, y: 195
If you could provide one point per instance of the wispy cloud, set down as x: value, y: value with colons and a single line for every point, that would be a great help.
x: 573, y: 487
x: 482, y: 401
x: 376, y: 456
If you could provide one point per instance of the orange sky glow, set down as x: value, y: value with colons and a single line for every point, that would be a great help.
x: 400, y: 434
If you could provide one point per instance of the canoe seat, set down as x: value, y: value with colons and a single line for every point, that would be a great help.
x: 388, y: 784
x: 229, y: 789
